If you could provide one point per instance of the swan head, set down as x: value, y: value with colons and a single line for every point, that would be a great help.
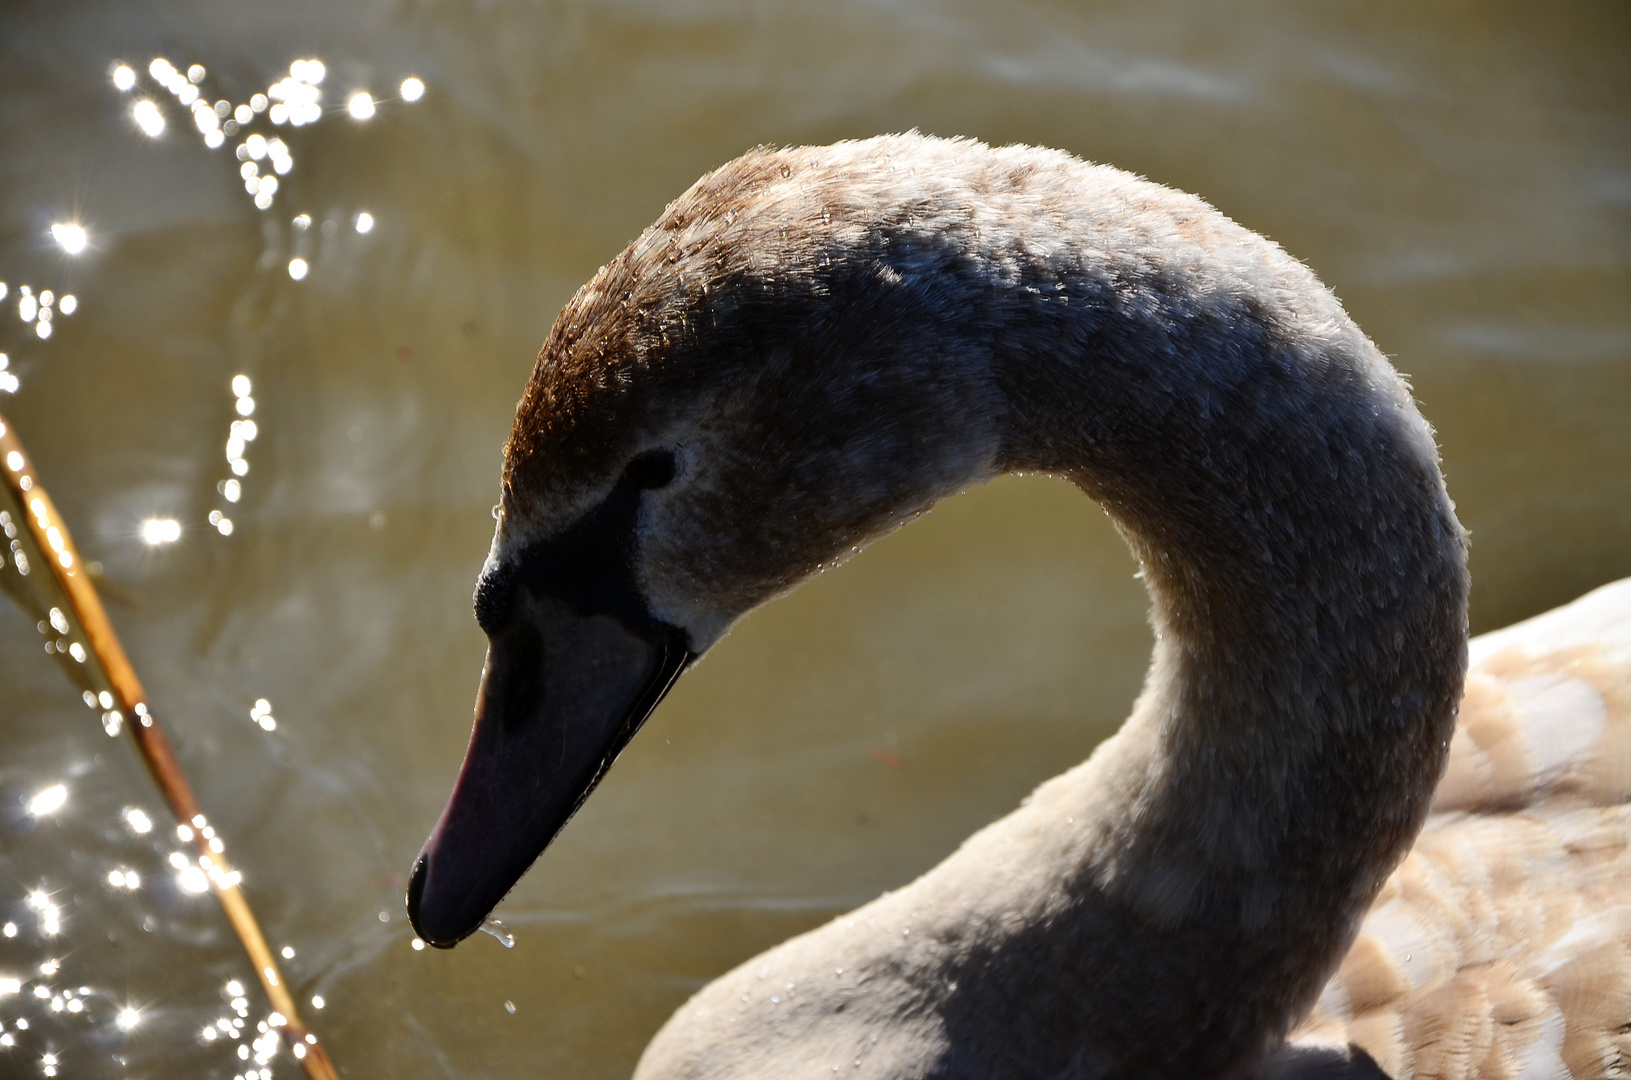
x: 720, y: 413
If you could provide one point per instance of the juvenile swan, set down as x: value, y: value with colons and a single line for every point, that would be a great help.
x: 809, y: 348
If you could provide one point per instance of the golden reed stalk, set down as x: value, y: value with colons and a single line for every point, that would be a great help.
x: 56, y: 548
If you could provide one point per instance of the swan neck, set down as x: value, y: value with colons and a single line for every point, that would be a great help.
x: 1283, y: 497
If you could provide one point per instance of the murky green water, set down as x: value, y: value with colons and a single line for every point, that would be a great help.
x: 1461, y: 176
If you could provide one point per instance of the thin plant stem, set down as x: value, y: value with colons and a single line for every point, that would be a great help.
x: 57, y: 551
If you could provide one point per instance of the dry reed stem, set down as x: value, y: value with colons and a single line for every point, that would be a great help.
x: 57, y: 549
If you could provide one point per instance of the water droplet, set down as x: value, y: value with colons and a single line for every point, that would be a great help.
x: 496, y: 930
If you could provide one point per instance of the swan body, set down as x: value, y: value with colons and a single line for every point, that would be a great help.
x: 812, y: 346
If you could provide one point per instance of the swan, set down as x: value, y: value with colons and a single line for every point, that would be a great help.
x: 813, y: 345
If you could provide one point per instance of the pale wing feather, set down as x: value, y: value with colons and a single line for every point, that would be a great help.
x: 1501, y: 947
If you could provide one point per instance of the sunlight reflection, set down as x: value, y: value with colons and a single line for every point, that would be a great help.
x: 262, y: 715
x: 48, y: 801
x: 50, y: 924
x: 238, y: 436
x: 295, y: 100
x: 157, y: 531
x: 144, y: 869
x: 148, y: 118
x: 71, y: 236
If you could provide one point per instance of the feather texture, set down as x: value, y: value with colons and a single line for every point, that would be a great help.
x: 827, y: 340
x: 1500, y: 948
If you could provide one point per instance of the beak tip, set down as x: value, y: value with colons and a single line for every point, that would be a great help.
x: 416, y: 915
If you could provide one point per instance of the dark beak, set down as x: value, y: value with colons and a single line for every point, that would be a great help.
x: 562, y: 693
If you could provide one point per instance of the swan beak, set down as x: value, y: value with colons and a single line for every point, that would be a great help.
x: 561, y: 695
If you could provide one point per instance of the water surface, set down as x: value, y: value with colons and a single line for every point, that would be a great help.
x: 1461, y: 176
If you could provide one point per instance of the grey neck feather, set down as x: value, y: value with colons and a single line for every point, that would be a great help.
x: 1283, y: 496
x: 1168, y: 908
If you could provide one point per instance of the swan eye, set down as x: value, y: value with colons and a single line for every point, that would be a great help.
x: 652, y: 469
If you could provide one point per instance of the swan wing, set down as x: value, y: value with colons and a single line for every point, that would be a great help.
x: 1501, y: 946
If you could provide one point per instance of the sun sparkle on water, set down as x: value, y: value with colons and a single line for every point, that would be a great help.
x: 148, y: 118
x: 48, y: 801
x: 170, y: 102
x: 72, y: 237
x: 156, y: 531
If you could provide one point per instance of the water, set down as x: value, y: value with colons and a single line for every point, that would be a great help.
x: 1462, y: 181
x: 494, y: 928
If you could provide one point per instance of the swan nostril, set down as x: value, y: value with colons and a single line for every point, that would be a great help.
x: 495, y: 596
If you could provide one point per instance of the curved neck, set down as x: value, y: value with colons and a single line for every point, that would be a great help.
x: 1283, y: 497
x: 1169, y: 907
